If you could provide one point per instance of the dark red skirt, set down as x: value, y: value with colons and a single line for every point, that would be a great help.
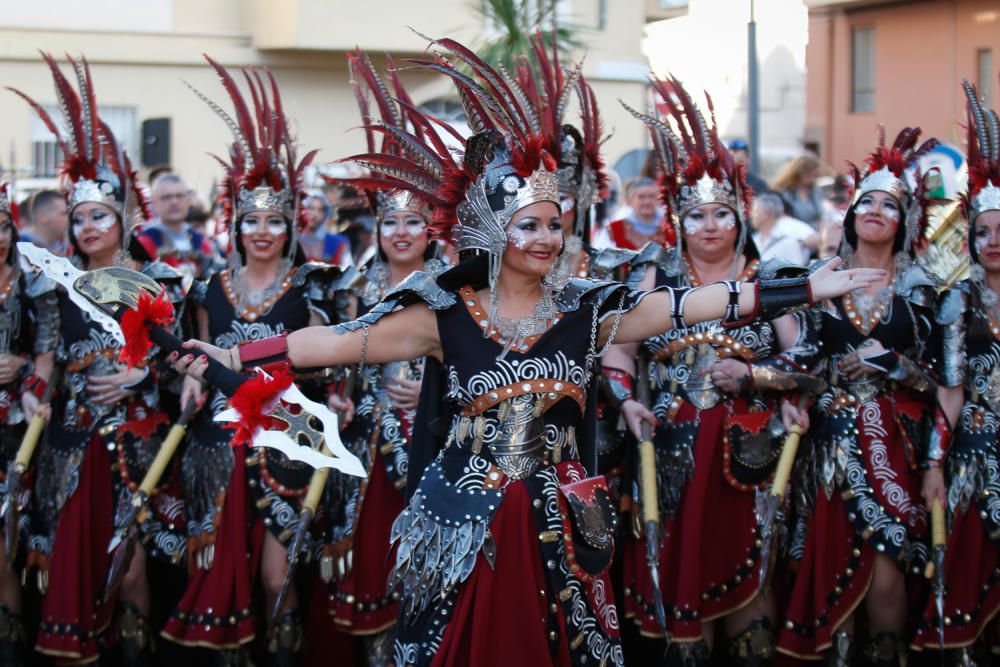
x: 359, y: 602
x: 73, y: 616
x: 710, y: 556
x: 500, y: 614
x: 215, y: 609
x: 835, y: 573
x: 972, y: 585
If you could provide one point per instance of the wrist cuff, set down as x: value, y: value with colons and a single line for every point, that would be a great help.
x: 617, y: 385
x: 269, y: 354
x: 940, y: 440
x: 35, y: 385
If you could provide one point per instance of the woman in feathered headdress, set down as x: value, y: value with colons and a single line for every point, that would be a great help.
x: 103, y: 407
x: 267, y: 290
x: 862, y: 535
x: 357, y: 562
x: 714, y: 392
x: 966, y: 425
x: 501, y: 555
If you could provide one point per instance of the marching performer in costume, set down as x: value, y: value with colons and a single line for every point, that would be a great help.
x: 716, y: 395
x: 864, y: 535
x: 27, y: 342
x: 502, y: 552
x: 386, y: 395
x: 240, y: 501
x: 105, y: 423
x: 968, y: 418
x: 582, y: 181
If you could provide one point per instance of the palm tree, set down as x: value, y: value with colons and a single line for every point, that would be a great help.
x: 514, y: 22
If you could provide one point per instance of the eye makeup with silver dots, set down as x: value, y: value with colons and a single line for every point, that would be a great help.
x: 100, y: 220
x: 887, y: 209
x: 526, y: 230
x: 695, y: 221
x: 984, y: 236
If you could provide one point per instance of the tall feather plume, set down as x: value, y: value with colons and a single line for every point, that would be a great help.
x: 413, y: 157
x: 362, y: 66
x: 264, y: 150
x: 90, y: 145
x: 247, y: 134
x: 983, y: 150
x: 88, y: 106
x: 493, y: 80
x: 44, y: 116
x: 903, y: 152
x: 690, y: 148
x: 363, y: 106
x: 69, y: 105
x: 479, y: 120
x: 593, y: 132
x: 240, y: 142
x: 495, y: 108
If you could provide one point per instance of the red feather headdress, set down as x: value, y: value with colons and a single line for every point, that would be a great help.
x: 262, y: 171
x: 548, y: 88
x: 94, y: 168
x: 509, y: 161
x: 697, y: 167
x: 402, y: 145
x: 886, y: 171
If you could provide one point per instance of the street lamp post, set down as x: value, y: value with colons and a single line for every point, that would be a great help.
x: 753, y: 99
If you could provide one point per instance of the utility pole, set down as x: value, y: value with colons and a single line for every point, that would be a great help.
x: 753, y: 94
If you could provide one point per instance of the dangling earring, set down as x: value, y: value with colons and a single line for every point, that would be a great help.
x: 556, y: 279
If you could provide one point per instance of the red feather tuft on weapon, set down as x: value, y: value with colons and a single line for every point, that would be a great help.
x: 254, y: 401
x: 136, y: 323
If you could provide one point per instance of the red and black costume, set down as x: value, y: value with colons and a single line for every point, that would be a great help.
x: 968, y: 450
x: 357, y: 558
x: 486, y: 547
x: 93, y: 452
x: 233, y: 494
x: 716, y: 451
x: 867, y: 435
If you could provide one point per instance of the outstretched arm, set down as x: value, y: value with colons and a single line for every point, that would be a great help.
x: 406, y: 334
x: 654, y: 314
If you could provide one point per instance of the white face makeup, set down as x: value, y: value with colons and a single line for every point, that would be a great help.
x: 275, y: 226
x: 889, y: 209
x: 101, y: 218
x: 697, y: 218
x: 986, y: 236
x: 412, y: 225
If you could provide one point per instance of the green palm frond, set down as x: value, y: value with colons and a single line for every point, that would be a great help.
x: 514, y: 22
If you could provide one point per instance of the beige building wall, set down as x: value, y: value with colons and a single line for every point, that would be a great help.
x: 142, y: 52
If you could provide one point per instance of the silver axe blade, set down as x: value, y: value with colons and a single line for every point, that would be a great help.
x: 94, y: 292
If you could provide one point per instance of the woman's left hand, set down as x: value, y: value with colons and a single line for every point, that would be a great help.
x: 10, y: 366
x: 109, y: 389
x: 853, y: 364
x: 827, y: 282
x: 933, y: 487
x: 405, y: 394
x: 729, y: 375
x: 792, y: 415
